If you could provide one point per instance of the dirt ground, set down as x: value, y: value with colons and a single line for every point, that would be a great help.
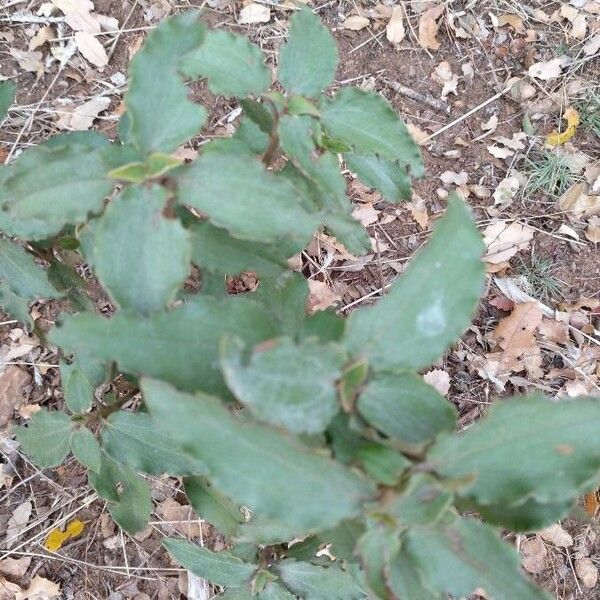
x: 549, y: 250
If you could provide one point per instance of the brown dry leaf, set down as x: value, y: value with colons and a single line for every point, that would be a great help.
x: 394, y: 31
x: 439, y: 379
x: 45, y: 34
x: 592, y: 232
x: 554, y: 331
x: 500, y: 152
x: 366, y: 214
x: 254, y: 13
x: 91, y: 49
x: 453, y: 178
x: 490, y: 124
x: 30, y: 61
x: 428, y: 27
x: 320, y: 296
x: 355, y: 23
x: 8, y: 590
x: 12, y: 382
x: 546, y: 70
x: 556, y: 535
x: 14, y: 567
x: 592, y: 46
x: 78, y: 15
x: 40, y: 588
x: 579, y: 27
x: 446, y: 78
x: 512, y: 19
x: 534, y: 555
x: 506, y: 191
x: 578, y: 204
x: 418, y: 211
x: 17, y: 522
x: 82, y: 117
x: 586, y: 571
x: 515, y: 334
x: 503, y: 240
x: 179, y: 518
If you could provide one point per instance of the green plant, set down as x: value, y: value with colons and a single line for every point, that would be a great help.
x: 589, y: 111
x: 549, y: 172
x: 540, y: 279
x: 340, y: 442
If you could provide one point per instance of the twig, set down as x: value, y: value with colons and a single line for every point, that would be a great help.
x: 418, y: 97
x: 467, y: 114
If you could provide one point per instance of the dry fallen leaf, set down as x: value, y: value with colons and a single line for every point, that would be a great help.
x: 534, y: 555
x: 453, y: 178
x: 439, y: 379
x: 355, y: 23
x: 41, y: 37
x: 417, y: 134
x: 515, y: 334
x: 254, y: 13
x: 320, y: 296
x: 546, y: 70
x: 557, y: 139
x: 592, y: 232
x: 17, y: 522
x: 428, y: 27
x: 14, y: 567
x: 78, y: 15
x: 446, y: 78
x: 586, y: 571
x: 578, y: 204
x: 91, y: 49
x: 418, y: 211
x: 503, y: 240
x: 592, y: 46
x: 366, y: 214
x: 394, y: 31
x: 12, y: 382
x: 490, y: 124
x: 506, y: 191
x: 8, y: 590
x: 500, y: 152
x: 179, y: 518
x: 30, y: 61
x: 82, y: 117
x: 40, y: 588
x: 556, y: 535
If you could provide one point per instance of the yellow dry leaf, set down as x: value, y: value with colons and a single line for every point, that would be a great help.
x: 557, y: 139
x: 56, y: 538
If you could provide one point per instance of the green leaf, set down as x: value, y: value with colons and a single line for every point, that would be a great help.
x: 284, y: 299
x: 215, y: 250
x: 212, y: 506
x: 252, y: 136
x: 325, y: 325
x: 382, y: 174
x: 259, y: 113
x: 318, y: 583
x: 127, y: 493
x: 21, y: 274
x: 238, y: 593
x: 160, y: 116
x: 141, y: 256
x: 529, y: 515
x: 308, y: 59
x: 231, y: 63
x: 46, y: 438
x: 405, y: 581
x: 53, y: 185
x: 8, y: 91
x: 406, y: 408
x: 374, y: 548
x: 180, y: 345
x: 16, y: 306
x: 526, y: 448
x: 349, y: 232
x: 299, y: 105
x: 366, y: 122
x: 274, y: 475
x: 259, y: 206
x: 384, y: 464
x: 156, y: 165
x: 221, y: 568
x: 423, y: 502
x: 426, y: 309
x: 274, y: 591
x: 133, y: 439
x: 86, y: 449
x: 302, y: 399
x: 457, y: 558
x: 79, y: 382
